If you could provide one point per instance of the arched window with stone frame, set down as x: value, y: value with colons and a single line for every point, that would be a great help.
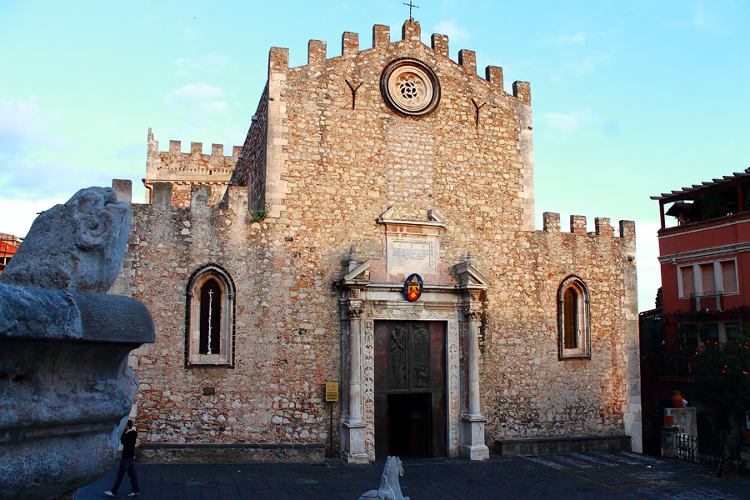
x: 573, y: 319
x: 209, y: 322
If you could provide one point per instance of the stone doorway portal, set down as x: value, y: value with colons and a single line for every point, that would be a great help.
x: 410, y: 389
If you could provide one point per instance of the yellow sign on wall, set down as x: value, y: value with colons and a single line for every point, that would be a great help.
x: 332, y: 392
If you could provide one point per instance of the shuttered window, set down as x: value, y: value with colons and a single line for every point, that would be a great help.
x: 688, y: 283
x: 729, y: 276
x: 707, y: 279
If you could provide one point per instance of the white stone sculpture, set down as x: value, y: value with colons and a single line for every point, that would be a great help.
x: 65, y: 387
x: 389, y: 489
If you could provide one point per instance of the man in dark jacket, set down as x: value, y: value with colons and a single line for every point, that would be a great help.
x: 127, y: 439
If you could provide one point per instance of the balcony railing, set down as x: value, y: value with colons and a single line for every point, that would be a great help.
x: 708, y: 302
x: 683, y: 446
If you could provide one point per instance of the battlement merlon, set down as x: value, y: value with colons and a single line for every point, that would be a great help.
x: 123, y: 189
x: 161, y: 195
x: 439, y: 44
x: 278, y: 61
x: 602, y: 226
x: 349, y: 44
x: 316, y: 52
x: 411, y: 30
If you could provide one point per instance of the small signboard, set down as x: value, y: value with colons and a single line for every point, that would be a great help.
x: 332, y: 392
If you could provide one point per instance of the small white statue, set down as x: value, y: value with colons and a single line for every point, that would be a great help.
x: 389, y: 489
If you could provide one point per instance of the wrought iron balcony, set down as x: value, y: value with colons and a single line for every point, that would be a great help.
x: 708, y: 302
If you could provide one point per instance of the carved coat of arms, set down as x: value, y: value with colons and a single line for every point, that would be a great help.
x: 413, y: 287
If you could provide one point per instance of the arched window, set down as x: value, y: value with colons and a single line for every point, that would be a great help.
x: 573, y: 328
x: 209, y: 332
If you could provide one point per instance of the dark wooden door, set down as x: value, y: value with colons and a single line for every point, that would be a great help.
x: 410, y: 406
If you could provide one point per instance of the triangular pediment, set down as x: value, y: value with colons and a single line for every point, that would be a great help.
x: 391, y: 217
x: 360, y: 274
x: 469, y: 276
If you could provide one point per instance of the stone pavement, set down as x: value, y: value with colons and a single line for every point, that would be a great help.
x: 570, y: 475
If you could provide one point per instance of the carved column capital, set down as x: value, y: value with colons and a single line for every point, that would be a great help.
x: 355, y: 308
x: 473, y: 312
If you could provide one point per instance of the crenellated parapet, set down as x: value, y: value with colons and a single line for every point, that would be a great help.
x: 174, y: 164
x: 200, y: 198
x: 381, y: 40
x: 578, y: 224
x: 185, y: 169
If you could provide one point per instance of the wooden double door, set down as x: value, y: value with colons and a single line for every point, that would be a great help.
x: 410, y: 389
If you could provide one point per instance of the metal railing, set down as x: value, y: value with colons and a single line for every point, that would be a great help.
x: 708, y: 302
x: 683, y: 446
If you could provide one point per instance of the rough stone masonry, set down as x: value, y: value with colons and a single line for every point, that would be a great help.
x: 352, y: 161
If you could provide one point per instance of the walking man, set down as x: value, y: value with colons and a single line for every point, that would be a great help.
x: 127, y: 439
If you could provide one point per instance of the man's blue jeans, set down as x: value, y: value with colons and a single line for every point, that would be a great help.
x: 126, y: 464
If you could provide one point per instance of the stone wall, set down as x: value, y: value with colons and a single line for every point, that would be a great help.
x: 527, y: 391
x: 332, y: 165
x: 251, y: 167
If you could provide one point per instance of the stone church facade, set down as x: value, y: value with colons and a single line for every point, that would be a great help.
x: 283, y: 266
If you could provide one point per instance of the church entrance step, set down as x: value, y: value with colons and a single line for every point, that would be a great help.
x: 230, y: 453
x: 547, y: 445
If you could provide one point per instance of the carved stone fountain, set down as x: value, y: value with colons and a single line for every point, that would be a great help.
x: 65, y: 386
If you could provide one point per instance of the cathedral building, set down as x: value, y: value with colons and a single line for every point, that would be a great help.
x: 376, y: 231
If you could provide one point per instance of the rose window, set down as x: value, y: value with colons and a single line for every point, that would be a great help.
x: 410, y: 87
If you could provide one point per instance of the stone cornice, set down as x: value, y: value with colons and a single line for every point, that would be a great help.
x: 705, y: 252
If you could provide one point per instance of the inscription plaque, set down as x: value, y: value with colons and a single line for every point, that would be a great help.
x: 412, y: 255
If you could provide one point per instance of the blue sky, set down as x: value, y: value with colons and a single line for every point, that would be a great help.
x: 630, y: 98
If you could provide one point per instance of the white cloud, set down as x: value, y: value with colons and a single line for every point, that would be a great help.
x: 19, y: 122
x: 702, y: 21
x: 22, y: 126
x: 199, y: 97
x: 30, y: 149
x: 574, y: 39
x: 566, y: 123
x: 588, y: 63
x: 192, y: 91
x: 450, y: 28
x: 209, y: 64
x: 20, y: 213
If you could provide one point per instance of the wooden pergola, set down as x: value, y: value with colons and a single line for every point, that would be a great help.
x: 697, y: 190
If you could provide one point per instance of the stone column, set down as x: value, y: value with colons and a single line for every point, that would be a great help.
x: 474, y: 446
x: 474, y: 317
x: 355, y: 426
x: 355, y: 378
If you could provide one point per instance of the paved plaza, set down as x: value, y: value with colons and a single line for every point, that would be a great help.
x: 571, y: 475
